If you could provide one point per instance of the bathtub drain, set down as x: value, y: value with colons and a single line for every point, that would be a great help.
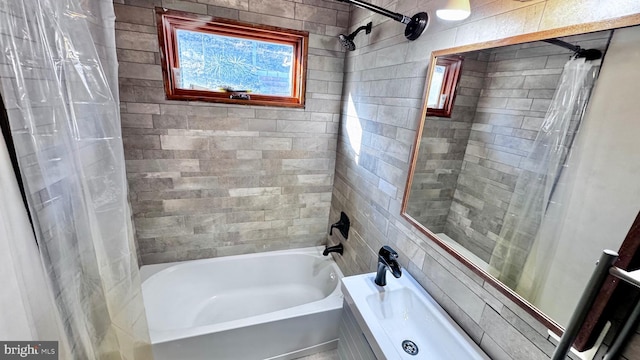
x: 410, y: 347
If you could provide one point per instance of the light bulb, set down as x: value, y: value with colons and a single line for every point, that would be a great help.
x: 455, y: 10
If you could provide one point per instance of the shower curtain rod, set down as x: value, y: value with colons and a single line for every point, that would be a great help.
x: 564, y: 44
x: 382, y: 11
x: 589, y: 54
x: 416, y: 24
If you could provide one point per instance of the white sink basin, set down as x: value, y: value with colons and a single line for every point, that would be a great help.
x: 403, y: 310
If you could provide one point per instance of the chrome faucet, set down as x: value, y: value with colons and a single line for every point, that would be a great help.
x: 387, y: 259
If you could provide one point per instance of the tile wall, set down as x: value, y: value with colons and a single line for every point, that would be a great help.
x: 384, y: 85
x: 211, y: 180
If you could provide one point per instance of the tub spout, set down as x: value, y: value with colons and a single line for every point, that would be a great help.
x: 329, y: 249
x: 387, y: 259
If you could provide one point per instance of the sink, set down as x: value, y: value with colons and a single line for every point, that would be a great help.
x: 402, y: 321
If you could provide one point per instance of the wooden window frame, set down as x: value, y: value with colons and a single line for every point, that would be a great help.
x: 453, y: 65
x: 169, y: 21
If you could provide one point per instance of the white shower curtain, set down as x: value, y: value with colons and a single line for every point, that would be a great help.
x: 59, y: 83
x: 28, y: 311
x: 522, y: 255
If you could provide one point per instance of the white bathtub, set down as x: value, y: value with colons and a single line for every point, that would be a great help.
x: 274, y: 305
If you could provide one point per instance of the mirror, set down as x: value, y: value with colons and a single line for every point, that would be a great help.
x: 536, y: 170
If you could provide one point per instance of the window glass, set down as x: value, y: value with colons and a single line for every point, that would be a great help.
x: 218, y: 63
x: 436, y: 86
x: 212, y: 59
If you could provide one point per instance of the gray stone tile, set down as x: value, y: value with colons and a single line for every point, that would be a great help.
x: 469, y: 302
x: 139, y: 108
x: 185, y: 5
x: 223, y: 12
x: 136, y: 41
x: 271, y: 143
x: 491, y: 348
x: 140, y: 71
x: 134, y: 14
x: 519, y: 104
x: 136, y: 28
x: 270, y: 20
x: 537, y: 334
x: 315, y: 14
x: 142, y: 142
x: 314, y: 127
x: 143, y: 57
x: 136, y: 121
x: 161, y: 226
x: 162, y: 165
x: 509, y: 82
x: 281, y: 8
x: 506, y: 337
x: 170, y: 121
x: 233, y: 4
x: 545, y: 82
x: 184, y: 142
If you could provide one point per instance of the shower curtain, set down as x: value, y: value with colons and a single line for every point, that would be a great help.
x: 59, y: 83
x: 521, y: 256
x: 28, y: 310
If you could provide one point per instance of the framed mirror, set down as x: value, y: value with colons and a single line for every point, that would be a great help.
x: 535, y: 170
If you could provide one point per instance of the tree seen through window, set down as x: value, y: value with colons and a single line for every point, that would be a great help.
x: 215, y: 62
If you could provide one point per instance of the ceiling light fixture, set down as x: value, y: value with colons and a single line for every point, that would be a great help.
x: 455, y: 10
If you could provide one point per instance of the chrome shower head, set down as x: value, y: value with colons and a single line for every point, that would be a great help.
x: 347, y: 40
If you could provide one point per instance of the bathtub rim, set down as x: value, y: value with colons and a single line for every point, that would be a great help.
x: 333, y: 301
x: 148, y: 271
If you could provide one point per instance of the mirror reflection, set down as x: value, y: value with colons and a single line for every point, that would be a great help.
x: 444, y: 81
x: 535, y: 172
x: 436, y: 98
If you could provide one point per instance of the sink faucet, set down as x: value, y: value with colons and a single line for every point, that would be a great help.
x: 387, y: 259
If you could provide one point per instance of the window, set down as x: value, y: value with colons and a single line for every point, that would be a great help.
x: 218, y: 60
x: 444, y: 80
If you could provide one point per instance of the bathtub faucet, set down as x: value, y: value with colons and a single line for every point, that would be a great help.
x: 337, y: 249
x: 387, y: 259
x: 342, y: 225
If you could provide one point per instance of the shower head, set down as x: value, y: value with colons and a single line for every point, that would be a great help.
x: 347, y: 40
x: 416, y: 26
